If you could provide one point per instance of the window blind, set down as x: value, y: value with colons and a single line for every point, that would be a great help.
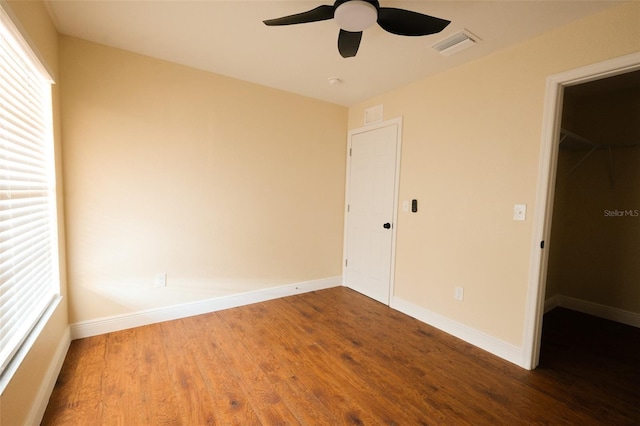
x: 28, y: 226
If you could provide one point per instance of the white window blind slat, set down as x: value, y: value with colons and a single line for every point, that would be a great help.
x: 19, y: 208
x: 14, y: 275
x: 20, y: 130
x: 21, y: 133
x: 13, y: 146
x: 22, y: 299
x: 16, y: 104
x: 15, y: 336
x: 20, y: 157
x: 22, y: 180
x: 14, y: 94
x: 29, y: 278
x: 24, y: 235
x: 17, y: 245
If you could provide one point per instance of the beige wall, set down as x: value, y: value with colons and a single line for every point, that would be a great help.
x: 594, y: 252
x: 16, y: 403
x: 224, y: 185
x: 470, y: 151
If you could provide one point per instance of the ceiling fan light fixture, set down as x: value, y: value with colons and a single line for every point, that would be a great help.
x: 355, y: 15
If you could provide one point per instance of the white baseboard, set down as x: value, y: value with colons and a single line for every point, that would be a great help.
x: 470, y: 335
x: 49, y: 380
x: 151, y: 316
x: 595, y: 309
x: 552, y: 302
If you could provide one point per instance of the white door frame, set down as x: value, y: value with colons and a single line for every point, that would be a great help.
x: 546, y: 190
x: 394, y: 121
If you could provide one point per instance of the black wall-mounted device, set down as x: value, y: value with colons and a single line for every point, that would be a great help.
x: 414, y: 206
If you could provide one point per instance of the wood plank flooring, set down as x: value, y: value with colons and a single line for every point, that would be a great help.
x: 336, y: 357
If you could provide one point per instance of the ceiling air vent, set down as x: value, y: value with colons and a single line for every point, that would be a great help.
x: 455, y: 43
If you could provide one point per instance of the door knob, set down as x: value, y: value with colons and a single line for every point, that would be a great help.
x: 386, y: 225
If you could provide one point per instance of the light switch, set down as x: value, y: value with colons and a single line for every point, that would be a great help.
x: 519, y: 212
x: 161, y: 280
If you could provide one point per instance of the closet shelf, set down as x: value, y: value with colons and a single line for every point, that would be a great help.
x: 574, y: 142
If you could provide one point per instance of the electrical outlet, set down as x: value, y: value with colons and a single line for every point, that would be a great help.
x: 161, y: 280
x: 459, y: 293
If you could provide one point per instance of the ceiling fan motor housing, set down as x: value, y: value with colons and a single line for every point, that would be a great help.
x: 337, y: 3
x: 355, y: 15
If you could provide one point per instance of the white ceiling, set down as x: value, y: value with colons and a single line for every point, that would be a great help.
x: 229, y: 38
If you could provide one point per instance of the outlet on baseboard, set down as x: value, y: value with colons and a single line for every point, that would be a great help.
x: 459, y: 293
x: 161, y: 280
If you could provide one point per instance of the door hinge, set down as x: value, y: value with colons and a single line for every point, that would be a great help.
x: 348, y: 208
x: 346, y: 262
x: 350, y: 149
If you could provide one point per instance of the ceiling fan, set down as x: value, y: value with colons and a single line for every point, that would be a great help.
x: 353, y: 16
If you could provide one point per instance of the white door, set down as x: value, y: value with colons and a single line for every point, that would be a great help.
x: 371, y: 200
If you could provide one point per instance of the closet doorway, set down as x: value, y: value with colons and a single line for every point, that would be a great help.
x: 595, y: 236
x: 593, y: 265
x: 542, y: 220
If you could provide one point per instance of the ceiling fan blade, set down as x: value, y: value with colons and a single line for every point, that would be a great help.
x: 320, y: 13
x: 348, y: 43
x: 408, y: 23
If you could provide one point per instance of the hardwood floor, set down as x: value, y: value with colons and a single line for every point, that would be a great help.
x: 336, y: 357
